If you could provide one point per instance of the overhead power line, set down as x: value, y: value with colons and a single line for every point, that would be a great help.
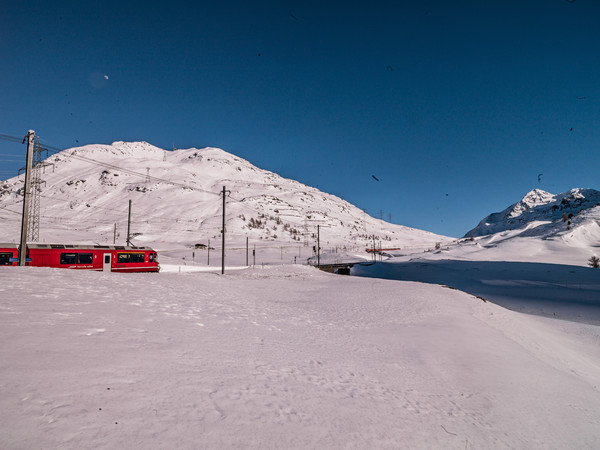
x: 6, y: 137
x: 10, y: 210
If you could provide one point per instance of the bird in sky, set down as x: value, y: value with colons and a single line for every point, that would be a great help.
x: 375, y: 178
x: 540, y: 177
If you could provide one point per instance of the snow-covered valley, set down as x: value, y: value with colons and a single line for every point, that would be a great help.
x: 499, y: 348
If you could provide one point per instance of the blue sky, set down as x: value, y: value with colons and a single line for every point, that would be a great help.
x: 455, y: 106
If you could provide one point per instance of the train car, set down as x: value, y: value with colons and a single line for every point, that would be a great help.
x: 107, y: 258
x: 9, y: 254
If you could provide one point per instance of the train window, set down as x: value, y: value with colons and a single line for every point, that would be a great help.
x: 151, y: 257
x: 86, y: 258
x: 68, y: 258
x: 5, y: 259
x: 130, y: 258
x: 76, y: 258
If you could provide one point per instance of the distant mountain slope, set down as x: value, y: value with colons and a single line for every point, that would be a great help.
x: 540, y: 213
x: 176, y: 197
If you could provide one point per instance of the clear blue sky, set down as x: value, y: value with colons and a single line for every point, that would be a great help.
x: 455, y: 106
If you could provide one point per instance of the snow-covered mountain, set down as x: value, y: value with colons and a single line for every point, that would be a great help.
x: 541, y: 227
x: 176, y: 199
x: 540, y: 213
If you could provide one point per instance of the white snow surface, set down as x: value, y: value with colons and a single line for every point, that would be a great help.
x: 284, y: 357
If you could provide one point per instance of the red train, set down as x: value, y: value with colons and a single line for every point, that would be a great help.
x: 107, y: 258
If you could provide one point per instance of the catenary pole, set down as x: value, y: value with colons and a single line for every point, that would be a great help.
x: 129, y: 225
x: 223, y: 237
x: 26, y: 194
x: 318, y: 245
x: 374, y: 254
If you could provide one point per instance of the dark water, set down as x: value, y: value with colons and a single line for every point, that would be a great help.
x: 550, y: 290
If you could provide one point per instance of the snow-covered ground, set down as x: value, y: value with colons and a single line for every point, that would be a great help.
x: 284, y: 357
x: 279, y: 354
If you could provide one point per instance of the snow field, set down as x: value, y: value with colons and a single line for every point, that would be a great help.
x: 284, y: 357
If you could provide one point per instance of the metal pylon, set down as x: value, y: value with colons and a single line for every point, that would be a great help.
x: 33, y: 225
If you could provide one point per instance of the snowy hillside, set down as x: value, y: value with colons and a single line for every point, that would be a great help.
x: 176, y: 201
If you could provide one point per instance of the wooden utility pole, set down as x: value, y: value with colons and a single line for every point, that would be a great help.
x: 26, y: 194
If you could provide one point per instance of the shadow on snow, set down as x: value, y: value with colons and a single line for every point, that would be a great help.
x: 551, y: 290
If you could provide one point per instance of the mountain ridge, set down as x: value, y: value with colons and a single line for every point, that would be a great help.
x: 176, y: 197
x: 540, y: 213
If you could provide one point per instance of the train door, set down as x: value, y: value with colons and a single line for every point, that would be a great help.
x: 107, y: 262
